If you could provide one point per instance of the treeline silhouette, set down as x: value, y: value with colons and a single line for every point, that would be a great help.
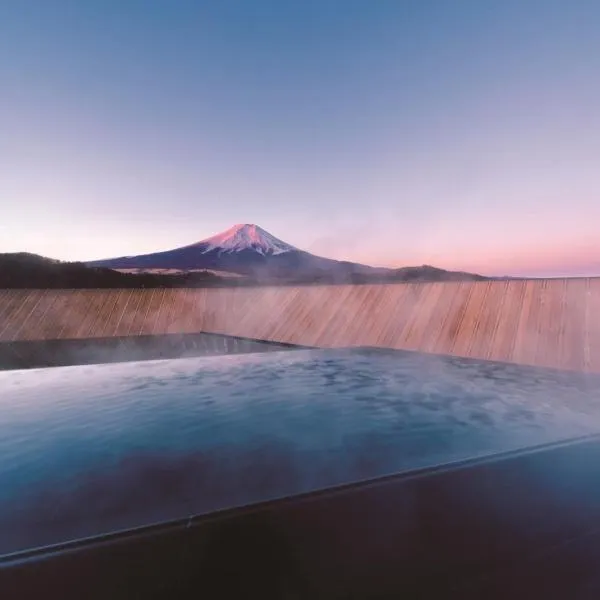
x: 24, y: 270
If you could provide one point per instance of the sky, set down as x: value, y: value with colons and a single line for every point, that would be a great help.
x: 463, y: 134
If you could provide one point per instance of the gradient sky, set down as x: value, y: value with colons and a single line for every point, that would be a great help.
x: 464, y: 134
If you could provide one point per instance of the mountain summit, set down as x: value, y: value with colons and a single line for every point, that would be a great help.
x: 244, y: 249
x: 242, y: 237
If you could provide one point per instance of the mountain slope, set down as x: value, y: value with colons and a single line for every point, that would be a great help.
x: 249, y: 250
x: 246, y: 249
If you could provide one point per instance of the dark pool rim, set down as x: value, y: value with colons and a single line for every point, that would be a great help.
x: 71, y: 352
x: 21, y: 557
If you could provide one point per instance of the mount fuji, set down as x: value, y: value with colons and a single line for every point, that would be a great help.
x: 249, y: 250
x: 244, y: 249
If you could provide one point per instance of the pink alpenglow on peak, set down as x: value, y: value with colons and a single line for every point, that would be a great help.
x: 245, y: 237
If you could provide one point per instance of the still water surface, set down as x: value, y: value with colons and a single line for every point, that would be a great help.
x: 91, y: 449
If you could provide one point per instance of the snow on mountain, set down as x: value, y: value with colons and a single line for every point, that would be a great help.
x: 246, y: 249
x: 245, y: 237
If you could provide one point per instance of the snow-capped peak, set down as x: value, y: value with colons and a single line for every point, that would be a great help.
x: 245, y: 237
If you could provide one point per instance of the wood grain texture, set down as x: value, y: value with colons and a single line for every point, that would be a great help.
x: 552, y: 323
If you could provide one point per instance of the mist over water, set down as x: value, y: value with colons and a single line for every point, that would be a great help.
x: 92, y: 449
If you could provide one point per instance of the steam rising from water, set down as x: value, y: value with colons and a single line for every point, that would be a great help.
x: 97, y: 448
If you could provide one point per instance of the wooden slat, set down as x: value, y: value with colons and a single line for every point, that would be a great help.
x: 398, y: 315
x: 487, y: 322
x: 152, y: 307
x: 6, y: 299
x: 99, y: 309
x: 10, y: 308
x: 453, y: 314
x: 508, y: 323
x: 489, y: 335
x: 592, y: 342
x: 411, y: 309
x: 168, y: 311
x: 19, y: 315
x: 180, y: 318
x: 105, y: 326
x: 433, y: 322
x: 426, y: 302
x: 153, y: 318
x: 267, y: 313
x: 383, y: 300
x: 574, y: 344
x: 298, y: 323
x: 470, y: 320
x: 525, y: 345
x: 196, y: 304
x: 51, y: 324
x: 547, y: 348
x: 353, y: 318
x: 160, y: 320
x: 561, y: 319
x: 32, y: 328
x: 91, y: 310
x: 138, y: 319
x: 134, y: 307
x: 117, y: 312
x: 65, y: 323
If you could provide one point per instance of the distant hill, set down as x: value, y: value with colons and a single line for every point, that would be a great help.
x: 24, y: 270
x: 429, y: 273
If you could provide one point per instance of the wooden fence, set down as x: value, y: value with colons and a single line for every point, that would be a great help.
x: 554, y: 323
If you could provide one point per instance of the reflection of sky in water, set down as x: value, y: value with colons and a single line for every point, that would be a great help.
x: 96, y: 448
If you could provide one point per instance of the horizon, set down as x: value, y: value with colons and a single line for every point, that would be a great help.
x: 392, y: 134
x: 240, y: 225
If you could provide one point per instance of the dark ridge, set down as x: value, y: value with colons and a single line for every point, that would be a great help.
x: 30, y: 271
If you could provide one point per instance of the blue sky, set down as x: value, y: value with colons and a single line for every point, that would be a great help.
x: 464, y: 134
